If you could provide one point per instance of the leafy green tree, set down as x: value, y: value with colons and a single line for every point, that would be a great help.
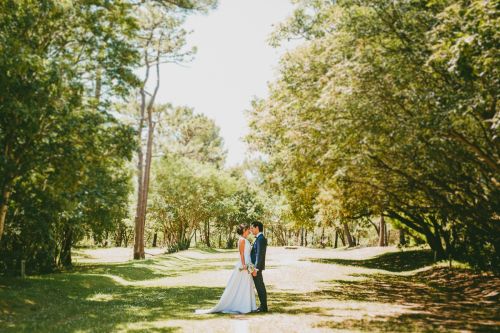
x: 392, y: 109
x: 192, y: 191
x: 83, y: 192
x: 193, y: 136
x: 45, y: 48
x: 186, y: 195
x: 56, y: 128
x: 161, y: 39
x: 243, y: 205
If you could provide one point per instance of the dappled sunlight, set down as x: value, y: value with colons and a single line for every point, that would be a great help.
x: 148, y: 326
x: 412, y: 299
x: 71, y: 305
x: 340, y: 290
x: 100, y: 297
x: 200, y: 267
x: 154, y: 157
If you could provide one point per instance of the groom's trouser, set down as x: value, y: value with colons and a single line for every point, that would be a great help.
x: 261, y: 290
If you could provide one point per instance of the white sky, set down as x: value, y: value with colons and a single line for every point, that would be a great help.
x: 234, y: 63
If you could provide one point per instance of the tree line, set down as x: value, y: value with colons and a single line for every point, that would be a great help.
x: 88, y: 155
x: 69, y: 73
x: 388, y: 112
x: 382, y: 126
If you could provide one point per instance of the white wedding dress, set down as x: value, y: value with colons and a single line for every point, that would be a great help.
x: 239, y: 295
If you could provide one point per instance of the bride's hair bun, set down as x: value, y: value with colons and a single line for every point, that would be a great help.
x: 241, y: 228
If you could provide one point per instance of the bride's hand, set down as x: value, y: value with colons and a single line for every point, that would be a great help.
x: 244, y: 267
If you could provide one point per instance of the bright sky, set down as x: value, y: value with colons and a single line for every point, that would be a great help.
x: 234, y: 63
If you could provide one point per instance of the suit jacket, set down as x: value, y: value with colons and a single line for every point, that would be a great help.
x: 258, y: 254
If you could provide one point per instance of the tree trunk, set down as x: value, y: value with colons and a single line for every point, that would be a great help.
x: 301, y: 236
x: 230, y: 243
x: 382, y: 241
x: 167, y: 237
x: 139, y: 223
x: 305, y: 238
x: 375, y: 226
x: 65, y: 255
x: 207, y: 233
x: 402, y: 237
x: 436, y: 245
x: 3, y: 208
x: 147, y: 173
x: 342, y: 237
x: 144, y: 173
x: 336, y: 239
x: 105, y: 240
x: 182, y: 236
x: 347, y: 234
x: 155, y: 239
x: 139, y: 233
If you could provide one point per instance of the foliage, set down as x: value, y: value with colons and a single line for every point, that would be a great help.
x: 188, y: 195
x: 194, y: 136
x: 391, y: 108
x: 62, y: 150
x: 64, y: 67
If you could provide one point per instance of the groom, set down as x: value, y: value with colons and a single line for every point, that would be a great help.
x: 258, y: 256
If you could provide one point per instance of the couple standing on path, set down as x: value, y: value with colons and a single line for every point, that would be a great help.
x: 239, y: 296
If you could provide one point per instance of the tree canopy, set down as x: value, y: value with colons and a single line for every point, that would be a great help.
x: 390, y: 108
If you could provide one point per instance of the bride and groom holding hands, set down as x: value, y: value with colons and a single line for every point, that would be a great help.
x: 239, y: 295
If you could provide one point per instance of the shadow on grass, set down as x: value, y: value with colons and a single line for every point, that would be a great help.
x: 432, y: 301
x: 127, y: 271
x: 154, y: 268
x: 72, y: 302
x: 393, y: 262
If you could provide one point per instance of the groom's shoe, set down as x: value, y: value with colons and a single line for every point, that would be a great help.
x: 260, y: 310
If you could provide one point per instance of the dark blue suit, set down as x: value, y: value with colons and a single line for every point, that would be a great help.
x: 258, y: 256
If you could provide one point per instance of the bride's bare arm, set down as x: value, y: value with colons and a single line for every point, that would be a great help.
x: 242, y: 251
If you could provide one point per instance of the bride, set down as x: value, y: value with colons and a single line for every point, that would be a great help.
x: 239, y: 296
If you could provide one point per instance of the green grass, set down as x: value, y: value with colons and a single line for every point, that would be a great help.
x: 154, y: 268
x: 87, y: 298
x: 91, y: 299
x: 73, y: 302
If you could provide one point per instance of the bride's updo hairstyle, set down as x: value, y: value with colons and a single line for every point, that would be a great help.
x: 241, y: 228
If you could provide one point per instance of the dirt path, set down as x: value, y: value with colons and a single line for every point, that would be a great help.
x: 314, y: 290
x: 287, y: 269
x: 309, y: 290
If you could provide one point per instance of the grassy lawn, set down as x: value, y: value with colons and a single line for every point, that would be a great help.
x: 368, y: 289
